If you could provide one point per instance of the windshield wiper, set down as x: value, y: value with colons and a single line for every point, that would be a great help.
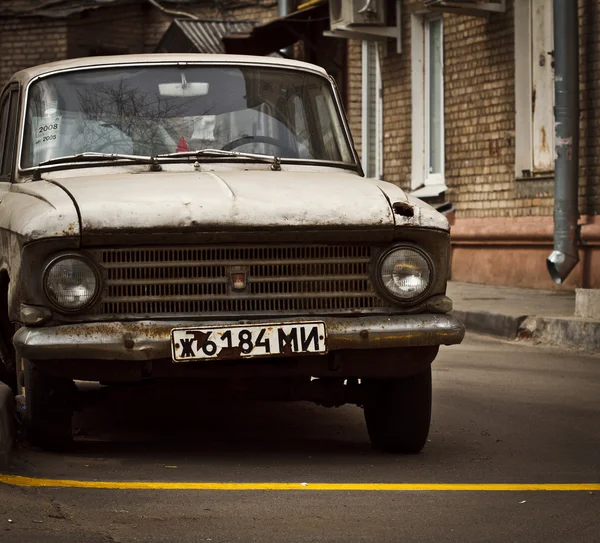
x: 270, y: 159
x: 95, y: 157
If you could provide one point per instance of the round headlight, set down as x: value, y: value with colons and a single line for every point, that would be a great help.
x: 405, y: 273
x: 70, y: 283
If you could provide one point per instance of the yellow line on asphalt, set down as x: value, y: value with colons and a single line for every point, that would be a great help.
x: 16, y: 480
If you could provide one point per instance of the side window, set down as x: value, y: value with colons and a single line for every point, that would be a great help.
x: 8, y: 120
x: 4, y: 105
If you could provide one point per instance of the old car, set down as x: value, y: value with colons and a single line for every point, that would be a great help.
x: 206, y: 218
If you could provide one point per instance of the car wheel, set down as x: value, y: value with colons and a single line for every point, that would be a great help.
x: 48, y: 408
x: 398, y: 412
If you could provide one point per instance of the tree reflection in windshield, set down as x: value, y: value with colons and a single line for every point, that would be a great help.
x: 124, y: 119
x: 162, y: 109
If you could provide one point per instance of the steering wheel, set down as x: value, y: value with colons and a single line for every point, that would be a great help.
x: 290, y: 151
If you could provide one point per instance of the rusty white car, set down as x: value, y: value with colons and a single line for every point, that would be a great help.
x: 206, y: 218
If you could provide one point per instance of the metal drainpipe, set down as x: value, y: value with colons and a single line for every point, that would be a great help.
x: 283, y: 9
x: 566, y: 166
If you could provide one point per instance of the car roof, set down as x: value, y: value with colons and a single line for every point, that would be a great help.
x: 161, y: 58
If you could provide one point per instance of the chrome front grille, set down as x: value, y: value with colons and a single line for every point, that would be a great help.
x: 196, y: 281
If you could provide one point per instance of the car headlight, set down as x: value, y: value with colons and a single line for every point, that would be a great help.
x: 70, y: 282
x: 405, y: 273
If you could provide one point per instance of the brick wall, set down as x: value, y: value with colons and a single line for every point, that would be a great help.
x: 27, y: 42
x: 107, y: 31
x: 397, y: 105
x: 479, y: 103
x: 589, y: 68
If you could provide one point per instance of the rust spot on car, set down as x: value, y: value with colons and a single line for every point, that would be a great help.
x: 130, y: 331
x: 404, y: 209
x: 70, y: 229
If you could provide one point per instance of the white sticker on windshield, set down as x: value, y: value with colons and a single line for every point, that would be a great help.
x: 47, y: 133
x: 204, y: 128
x: 51, y: 109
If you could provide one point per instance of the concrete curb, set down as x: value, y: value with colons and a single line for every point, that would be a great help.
x: 563, y: 331
x: 494, y: 324
x: 571, y: 332
x: 7, y: 426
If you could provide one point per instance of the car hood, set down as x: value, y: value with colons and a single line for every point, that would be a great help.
x: 160, y: 201
x: 239, y: 201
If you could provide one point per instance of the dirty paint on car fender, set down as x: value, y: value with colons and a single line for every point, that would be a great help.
x: 38, y: 210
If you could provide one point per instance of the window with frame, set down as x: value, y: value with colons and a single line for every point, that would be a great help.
x: 427, y: 60
x: 372, y: 111
x: 534, y: 88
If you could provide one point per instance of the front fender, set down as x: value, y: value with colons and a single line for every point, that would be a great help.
x: 36, y: 219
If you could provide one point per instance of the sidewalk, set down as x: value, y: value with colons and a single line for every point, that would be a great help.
x: 543, y: 315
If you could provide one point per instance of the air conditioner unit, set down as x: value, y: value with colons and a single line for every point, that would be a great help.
x: 349, y: 13
x: 477, y: 8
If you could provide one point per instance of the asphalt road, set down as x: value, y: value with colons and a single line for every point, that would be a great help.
x: 503, y: 413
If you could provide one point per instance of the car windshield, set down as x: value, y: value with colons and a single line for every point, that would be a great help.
x: 154, y: 110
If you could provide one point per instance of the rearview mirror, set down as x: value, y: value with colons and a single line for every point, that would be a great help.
x: 183, y: 89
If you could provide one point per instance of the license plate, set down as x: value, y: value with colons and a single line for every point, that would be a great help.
x: 241, y: 341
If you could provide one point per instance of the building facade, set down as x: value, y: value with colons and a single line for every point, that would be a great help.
x: 32, y: 34
x: 467, y: 116
x: 454, y: 107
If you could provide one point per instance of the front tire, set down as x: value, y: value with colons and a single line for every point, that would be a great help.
x: 398, y: 412
x: 48, y: 409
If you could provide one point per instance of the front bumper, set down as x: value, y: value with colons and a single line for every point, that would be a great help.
x: 150, y: 340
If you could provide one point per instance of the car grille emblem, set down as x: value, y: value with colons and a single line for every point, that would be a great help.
x: 238, y: 279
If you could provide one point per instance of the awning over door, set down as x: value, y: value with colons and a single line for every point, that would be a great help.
x: 280, y: 33
x: 190, y: 36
